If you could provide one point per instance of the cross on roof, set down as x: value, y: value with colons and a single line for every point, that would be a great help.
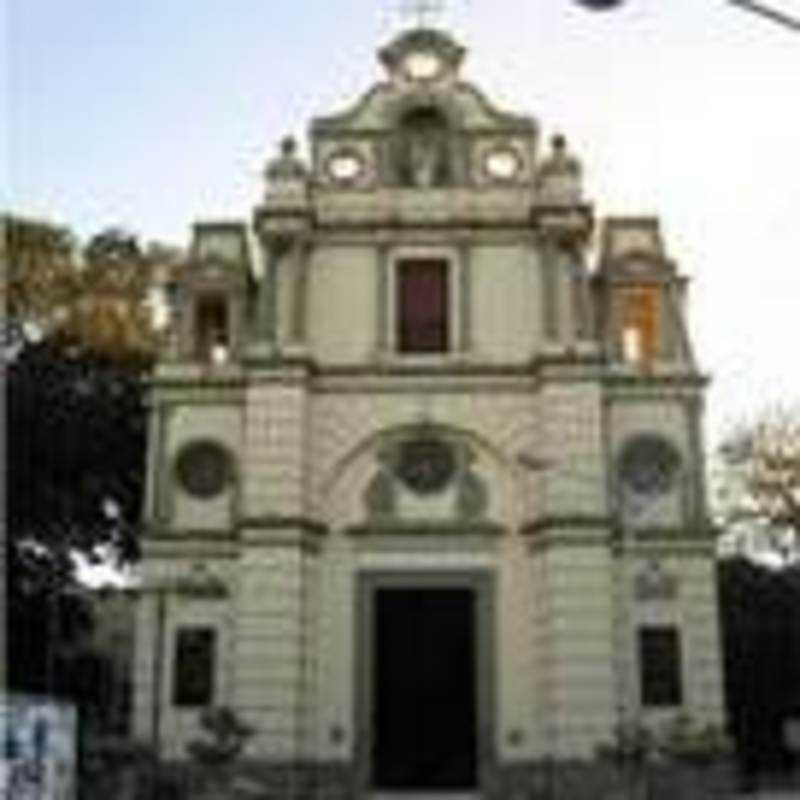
x: 421, y: 9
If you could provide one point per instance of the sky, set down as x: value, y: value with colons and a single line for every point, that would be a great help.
x: 152, y: 114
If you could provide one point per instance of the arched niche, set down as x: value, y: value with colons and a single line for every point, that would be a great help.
x: 422, y: 153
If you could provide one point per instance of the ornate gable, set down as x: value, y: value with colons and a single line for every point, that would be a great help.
x: 424, y: 127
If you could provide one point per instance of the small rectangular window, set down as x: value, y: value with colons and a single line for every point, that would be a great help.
x: 211, y: 325
x: 641, y: 323
x: 660, y: 665
x: 195, y: 656
x: 422, y: 306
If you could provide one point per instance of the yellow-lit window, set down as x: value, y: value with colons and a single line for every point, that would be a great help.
x: 641, y: 322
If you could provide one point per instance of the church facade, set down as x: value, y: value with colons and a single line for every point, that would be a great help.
x: 425, y: 497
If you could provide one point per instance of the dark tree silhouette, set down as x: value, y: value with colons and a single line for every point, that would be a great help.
x: 76, y: 437
x: 761, y: 649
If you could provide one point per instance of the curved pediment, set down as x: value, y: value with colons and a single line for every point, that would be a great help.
x: 423, y: 128
x: 380, y: 109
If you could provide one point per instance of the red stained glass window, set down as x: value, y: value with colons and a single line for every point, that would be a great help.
x: 422, y: 306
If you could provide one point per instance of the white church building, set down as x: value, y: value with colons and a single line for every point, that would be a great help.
x: 425, y: 499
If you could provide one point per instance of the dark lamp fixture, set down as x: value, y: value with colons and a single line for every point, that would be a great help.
x: 765, y: 10
x: 600, y: 5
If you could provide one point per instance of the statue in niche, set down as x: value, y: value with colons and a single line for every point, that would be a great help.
x: 423, y: 158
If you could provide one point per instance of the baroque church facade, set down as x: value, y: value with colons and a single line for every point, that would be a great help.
x: 425, y: 499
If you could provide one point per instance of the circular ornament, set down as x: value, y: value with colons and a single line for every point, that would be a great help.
x: 203, y: 469
x: 425, y: 465
x: 422, y: 65
x: 502, y: 164
x: 649, y: 465
x: 345, y: 166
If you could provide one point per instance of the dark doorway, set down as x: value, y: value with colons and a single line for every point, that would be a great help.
x: 424, y: 689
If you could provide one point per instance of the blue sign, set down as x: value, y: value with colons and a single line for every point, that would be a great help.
x: 38, y: 761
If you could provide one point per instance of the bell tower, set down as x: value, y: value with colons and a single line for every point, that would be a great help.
x: 640, y: 298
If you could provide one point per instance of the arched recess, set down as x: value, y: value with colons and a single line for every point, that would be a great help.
x: 424, y: 148
x: 485, y: 487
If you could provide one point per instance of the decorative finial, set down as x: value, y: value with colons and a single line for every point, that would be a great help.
x: 288, y: 145
x: 287, y: 167
x: 420, y: 10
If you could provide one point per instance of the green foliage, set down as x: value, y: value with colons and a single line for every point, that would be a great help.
x: 681, y: 738
x: 684, y: 738
x: 129, y: 768
x: 77, y: 342
x: 633, y: 742
x: 225, y: 738
x: 761, y: 650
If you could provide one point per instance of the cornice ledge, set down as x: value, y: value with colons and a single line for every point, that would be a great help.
x: 425, y: 528
x: 196, y: 375
x: 540, y: 527
x: 571, y: 359
x: 251, y: 528
x: 190, y: 550
x: 552, y: 539
x: 678, y: 547
x: 395, y: 367
x: 684, y: 378
x: 279, y: 369
x: 157, y: 532
x: 669, y: 534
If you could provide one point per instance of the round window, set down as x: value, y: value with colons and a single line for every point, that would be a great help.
x: 502, y: 164
x: 425, y: 465
x: 345, y: 166
x: 203, y: 469
x: 649, y: 465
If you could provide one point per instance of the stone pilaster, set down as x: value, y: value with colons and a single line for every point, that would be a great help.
x: 264, y: 336
x: 300, y: 255
x: 275, y: 647
x: 465, y: 298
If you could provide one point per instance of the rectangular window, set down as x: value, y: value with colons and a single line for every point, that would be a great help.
x: 660, y: 665
x: 641, y: 323
x: 211, y: 325
x: 422, y: 306
x: 195, y: 655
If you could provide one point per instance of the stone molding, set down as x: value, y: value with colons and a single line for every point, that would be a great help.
x: 535, y: 528
x: 432, y: 543
x: 189, y: 550
x: 281, y: 523
x: 288, y: 532
x: 425, y: 528
x: 156, y: 532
